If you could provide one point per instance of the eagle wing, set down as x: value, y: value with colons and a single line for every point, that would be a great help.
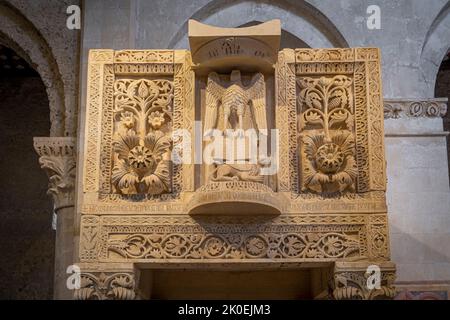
x: 257, y: 95
x: 214, y: 92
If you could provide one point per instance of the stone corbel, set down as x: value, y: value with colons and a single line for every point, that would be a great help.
x: 409, y: 108
x: 358, y: 280
x: 112, y: 283
x: 57, y: 158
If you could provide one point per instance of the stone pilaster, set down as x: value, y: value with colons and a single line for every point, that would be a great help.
x: 363, y: 280
x: 57, y: 159
x: 107, y: 282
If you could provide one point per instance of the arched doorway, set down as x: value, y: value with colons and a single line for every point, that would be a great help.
x: 26, y: 235
x: 442, y: 89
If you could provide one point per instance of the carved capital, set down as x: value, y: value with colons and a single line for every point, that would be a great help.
x: 57, y: 158
x: 107, y: 284
x: 363, y: 281
x: 404, y: 108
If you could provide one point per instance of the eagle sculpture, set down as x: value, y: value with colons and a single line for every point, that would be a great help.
x: 235, y: 106
x: 239, y: 108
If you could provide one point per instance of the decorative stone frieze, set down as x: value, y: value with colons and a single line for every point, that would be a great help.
x: 405, y: 108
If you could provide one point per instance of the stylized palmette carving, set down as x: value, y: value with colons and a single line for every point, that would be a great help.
x: 115, y: 286
x: 142, y: 144
x: 326, y: 126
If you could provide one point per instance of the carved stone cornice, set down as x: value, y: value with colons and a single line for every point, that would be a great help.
x: 415, y: 108
x: 57, y: 158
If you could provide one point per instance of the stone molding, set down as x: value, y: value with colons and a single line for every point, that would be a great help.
x: 57, y: 158
x: 415, y: 108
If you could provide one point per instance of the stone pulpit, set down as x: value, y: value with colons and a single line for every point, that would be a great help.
x: 233, y: 157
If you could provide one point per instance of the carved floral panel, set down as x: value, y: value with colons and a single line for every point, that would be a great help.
x: 142, y: 136
x: 326, y: 125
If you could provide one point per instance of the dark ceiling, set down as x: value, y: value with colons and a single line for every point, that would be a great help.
x: 12, y: 65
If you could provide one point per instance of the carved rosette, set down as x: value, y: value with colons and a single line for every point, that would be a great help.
x: 106, y: 286
x: 351, y: 281
x: 57, y: 158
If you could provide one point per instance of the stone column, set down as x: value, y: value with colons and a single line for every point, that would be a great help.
x: 57, y: 158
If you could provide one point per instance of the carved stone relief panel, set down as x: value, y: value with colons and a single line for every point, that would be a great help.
x: 340, y: 121
x: 136, y: 100
x: 326, y: 132
x: 236, y: 109
x: 142, y: 136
